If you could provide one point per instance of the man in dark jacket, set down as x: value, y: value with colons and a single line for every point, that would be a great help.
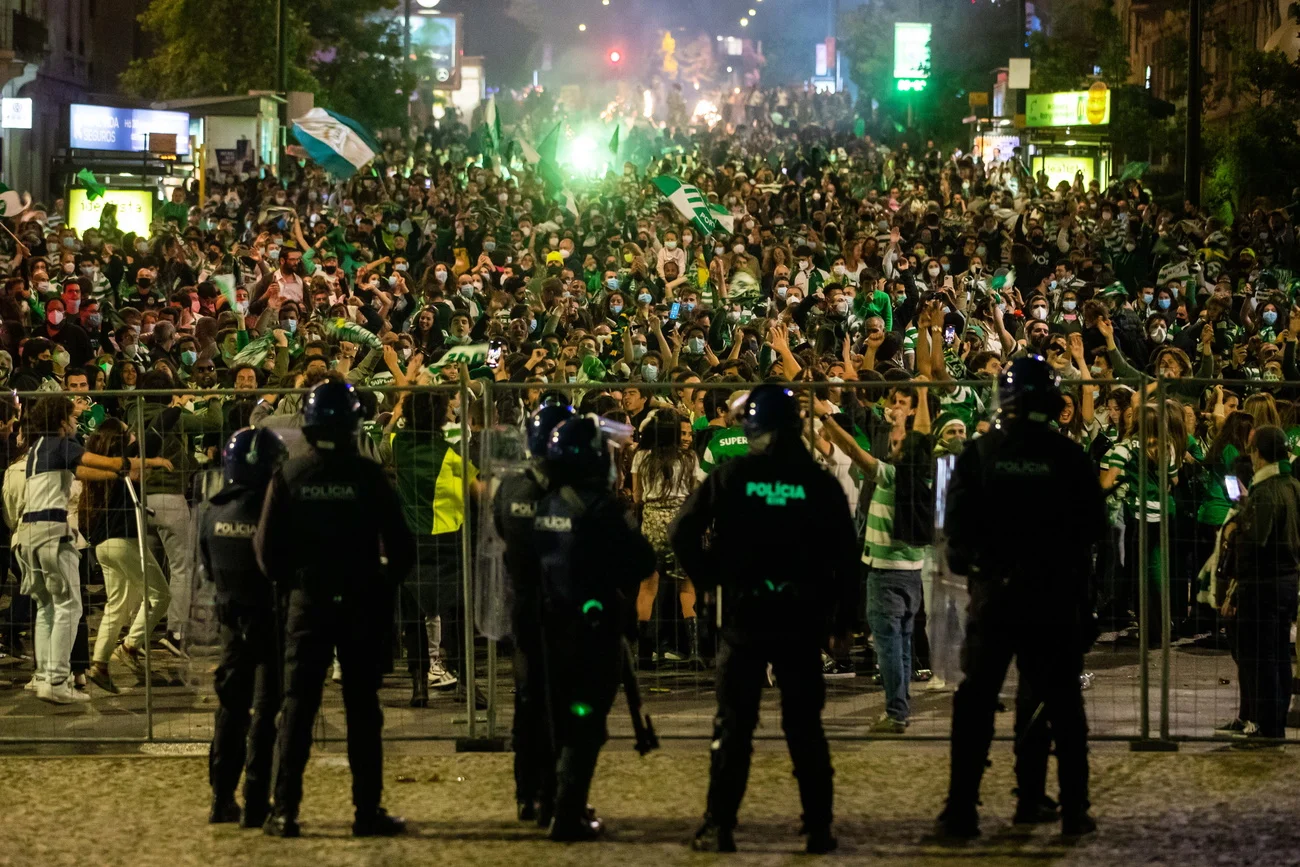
x: 1267, y: 545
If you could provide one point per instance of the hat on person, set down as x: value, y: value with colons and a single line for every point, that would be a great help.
x: 945, y: 421
x: 1270, y: 443
x: 1116, y: 289
x: 554, y: 258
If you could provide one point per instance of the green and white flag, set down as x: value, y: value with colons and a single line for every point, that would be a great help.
x: 341, y: 329
x: 471, y: 355
x: 692, y: 204
x: 226, y: 283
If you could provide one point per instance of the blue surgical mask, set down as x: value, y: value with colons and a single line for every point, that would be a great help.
x: 645, y: 298
x: 489, y: 246
x: 781, y: 290
x: 650, y: 372
x: 1163, y: 303
x: 1070, y: 305
x: 189, y: 356
x: 616, y: 309
x: 289, y: 325
x: 1269, y: 317
x: 1146, y: 297
x: 638, y: 350
x: 689, y: 305
x: 1173, y: 290
x: 695, y: 345
x: 612, y: 284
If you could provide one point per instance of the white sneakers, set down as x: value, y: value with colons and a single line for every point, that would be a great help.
x: 439, y: 676
x: 60, y: 693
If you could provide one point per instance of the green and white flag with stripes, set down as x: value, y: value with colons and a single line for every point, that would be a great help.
x: 694, y: 206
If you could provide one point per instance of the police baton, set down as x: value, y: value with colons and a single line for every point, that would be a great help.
x: 642, y: 726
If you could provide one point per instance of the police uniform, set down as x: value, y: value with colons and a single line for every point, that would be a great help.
x: 248, y: 675
x: 1031, y: 600
x: 328, y: 517
x: 592, y: 560
x: 775, y: 610
x: 514, y: 508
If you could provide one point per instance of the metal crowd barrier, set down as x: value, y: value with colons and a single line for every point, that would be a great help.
x: 1191, y: 680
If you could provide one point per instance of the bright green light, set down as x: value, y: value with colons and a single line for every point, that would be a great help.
x: 914, y: 84
x: 592, y: 603
x: 579, y: 709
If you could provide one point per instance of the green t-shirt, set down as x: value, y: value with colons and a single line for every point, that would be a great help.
x: 725, y: 444
x: 882, y: 552
x: 1214, y: 509
x: 1129, y: 487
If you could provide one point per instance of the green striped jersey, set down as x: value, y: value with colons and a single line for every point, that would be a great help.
x: 881, y: 550
x: 725, y: 444
x: 1129, y: 489
x: 963, y: 401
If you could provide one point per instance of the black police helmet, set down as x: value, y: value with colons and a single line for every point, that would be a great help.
x: 771, y: 409
x: 542, y: 422
x: 251, y: 456
x: 1029, y: 388
x: 577, y: 447
x: 332, y: 414
x: 554, y: 397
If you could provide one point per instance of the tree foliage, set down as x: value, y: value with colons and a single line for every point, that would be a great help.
x: 343, y: 51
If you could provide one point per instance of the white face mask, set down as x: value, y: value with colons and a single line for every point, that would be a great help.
x: 738, y: 248
x: 934, y: 270
x: 1039, y: 313
x: 671, y: 245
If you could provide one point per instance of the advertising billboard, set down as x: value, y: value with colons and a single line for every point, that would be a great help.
x: 1071, y: 108
x: 911, y: 54
x: 436, y: 39
x: 105, y: 128
x: 134, y: 209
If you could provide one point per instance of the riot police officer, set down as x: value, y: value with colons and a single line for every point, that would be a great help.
x: 248, y: 676
x: 327, y: 517
x: 513, y: 510
x: 775, y: 608
x: 1031, y: 601
x: 592, y: 560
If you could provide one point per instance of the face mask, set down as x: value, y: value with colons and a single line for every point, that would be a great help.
x: 934, y: 270
x: 489, y: 246
x: 946, y: 267
x: 69, y: 267
x: 1096, y: 370
x: 393, y: 227
x: 1146, y: 297
x: 289, y: 325
x: 553, y: 241
x: 1158, y: 335
x: 273, y: 255
x: 565, y: 253
x: 644, y: 298
x: 695, y: 345
x: 638, y: 350
x: 650, y: 372
x: 142, y: 247
x: 188, y: 357
x: 738, y: 248
x: 671, y: 245
x: 61, y: 359
x: 981, y: 251
x: 804, y: 264
x: 1269, y: 317
x: 719, y: 250
x: 842, y: 306
x: 781, y: 290
x: 733, y: 316
x: 1163, y: 303
x: 616, y: 309
x: 686, y: 239
x: 1173, y: 291
x: 440, y: 276
x: 1039, y: 313
x: 241, y: 307
x: 689, y: 305
x: 55, y: 317
x: 532, y: 325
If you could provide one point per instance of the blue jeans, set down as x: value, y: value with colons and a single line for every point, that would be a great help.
x: 893, y: 598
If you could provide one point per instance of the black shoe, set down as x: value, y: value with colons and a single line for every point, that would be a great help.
x: 959, y: 824
x: 254, y: 816
x: 419, y: 691
x: 577, y: 830
x: 545, y: 813
x: 1037, y: 812
x: 713, y: 838
x: 224, y: 811
x: 281, y: 826
x: 526, y: 811
x: 1077, y: 824
x: 821, y: 842
x: 378, y: 824
x: 480, y: 698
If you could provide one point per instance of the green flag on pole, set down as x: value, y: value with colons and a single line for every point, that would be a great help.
x: 548, y: 166
x: 691, y: 204
x: 613, y: 142
x: 493, y: 121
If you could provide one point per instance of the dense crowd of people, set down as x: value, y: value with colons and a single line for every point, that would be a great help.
x: 891, y: 282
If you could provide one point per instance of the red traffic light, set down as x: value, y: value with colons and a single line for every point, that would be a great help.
x: 615, y: 56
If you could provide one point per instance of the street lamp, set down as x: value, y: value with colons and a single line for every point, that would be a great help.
x: 744, y: 22
x: 753, y: 12
x: 582, y: 28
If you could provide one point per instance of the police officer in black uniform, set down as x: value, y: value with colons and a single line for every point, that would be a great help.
x: 327, y: 517
x: 775, y: 608
x: 248, y: 676
x: 1032, y: 600
x: 592, y: 559
x: 513, y: 510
